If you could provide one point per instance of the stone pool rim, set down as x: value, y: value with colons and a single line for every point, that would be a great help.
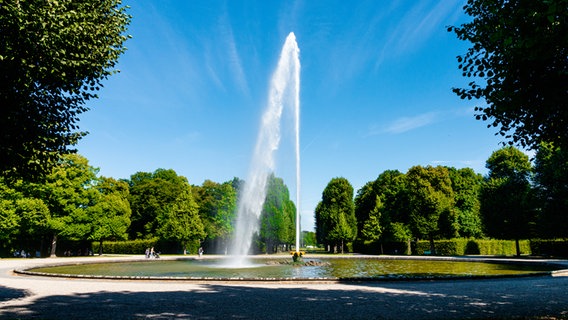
x: 560, y: 264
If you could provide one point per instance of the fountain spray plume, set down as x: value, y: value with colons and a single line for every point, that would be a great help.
x: 284, y: 89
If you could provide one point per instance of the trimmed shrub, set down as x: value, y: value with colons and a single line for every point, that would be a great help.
x: 472, y: 247
x: 452, y: 247
x: 366, y: 247
x: 374, y: 247
x: 422, y: 247
x: 399, y: 247
x: 555, y: 248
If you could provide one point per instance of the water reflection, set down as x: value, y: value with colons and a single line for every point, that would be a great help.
x: 337, y: 268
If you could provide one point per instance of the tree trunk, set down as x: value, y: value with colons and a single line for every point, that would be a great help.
x: 432, y: 248
x: 53, y: 246
x: 342, y: 246
x: 518, y: 247
x: 42, y: 247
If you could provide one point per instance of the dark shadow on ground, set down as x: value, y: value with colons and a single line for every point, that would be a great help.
x: 530, y: 298
x: 9, y: 294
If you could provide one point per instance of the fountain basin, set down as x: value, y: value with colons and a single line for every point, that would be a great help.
x: 315, y: 269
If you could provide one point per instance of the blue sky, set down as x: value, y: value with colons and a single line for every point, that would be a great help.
x: 376, y: 83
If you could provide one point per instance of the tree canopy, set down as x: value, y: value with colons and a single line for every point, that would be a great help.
x: 9, y: 219
x: 506, y: 195
x: 383, y: 202
x: 277, y: 220
x: 110, y: 214
x: 336, y: 223
x: 466, y: 185
x: 69, y: 193
x: 217, y: 209
x: 519, y: 65
x: 179, y: 221
x: 430, y: 200
x: 54, y: 56
x: 551, y: 180
x: 151, y: 194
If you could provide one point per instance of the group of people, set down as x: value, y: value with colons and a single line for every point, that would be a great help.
x: 23, y: 254
x: 151, y: 254
x: 79, y: 252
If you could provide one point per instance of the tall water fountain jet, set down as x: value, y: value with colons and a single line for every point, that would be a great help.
x: 284, y: 90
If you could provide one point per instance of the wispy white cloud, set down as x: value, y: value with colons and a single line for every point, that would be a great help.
x: 371, y: 33
x: 462, y: 112
x: 211, y: 70
x: 416, y: 27
x: 186, y: 138
x: 405, y: 124
x: 356, y: 46
x: 428, y: 23
x: 235, y: 62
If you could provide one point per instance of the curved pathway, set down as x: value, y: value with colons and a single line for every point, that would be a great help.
x: 26, y: 297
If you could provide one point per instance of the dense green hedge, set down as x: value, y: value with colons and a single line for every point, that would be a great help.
x: 556, y: 248
x: 460, y: 247
x: 502, y: 247
x: 451, y: 247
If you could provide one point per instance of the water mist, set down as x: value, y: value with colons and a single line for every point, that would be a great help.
x: 284, y: 91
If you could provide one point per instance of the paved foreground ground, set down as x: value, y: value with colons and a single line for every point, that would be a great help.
x: 25, y: 297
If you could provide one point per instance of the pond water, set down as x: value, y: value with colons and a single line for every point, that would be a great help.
x: 336, y: 268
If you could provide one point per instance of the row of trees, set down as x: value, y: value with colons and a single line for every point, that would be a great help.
x: 74, y: 204
x: 71, y: 203
x: 514, y: 201
x: 165, y: 206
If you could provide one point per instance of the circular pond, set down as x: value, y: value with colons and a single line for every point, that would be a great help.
x: 281, y: 269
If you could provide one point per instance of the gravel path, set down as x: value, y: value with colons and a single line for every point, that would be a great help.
x: 25, y: 297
